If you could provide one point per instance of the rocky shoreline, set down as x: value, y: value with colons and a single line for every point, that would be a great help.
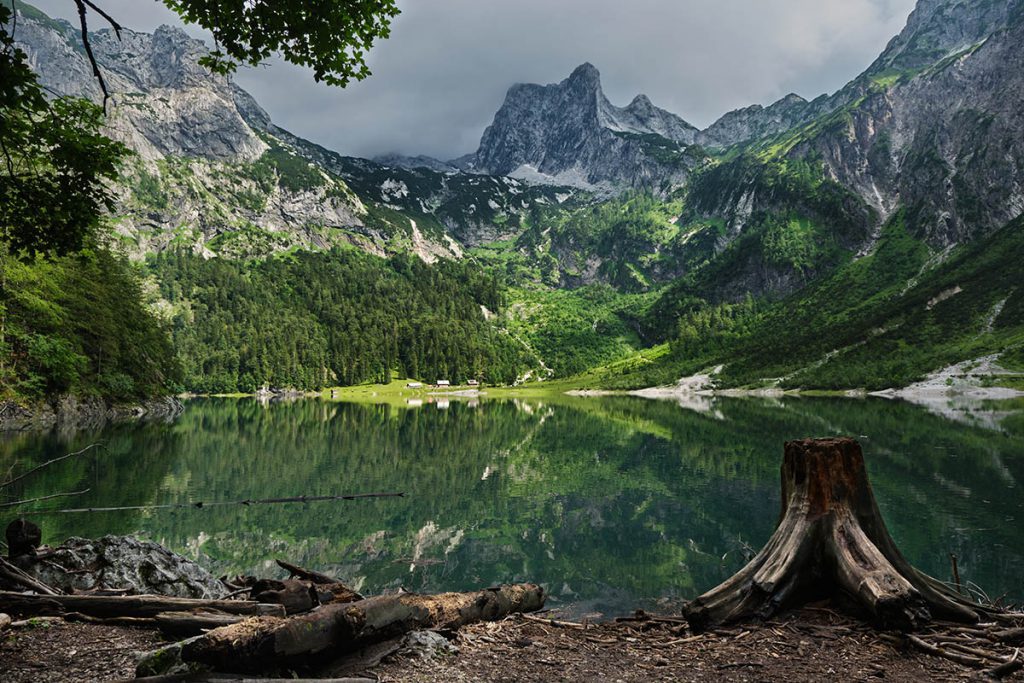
x: 72, y: 413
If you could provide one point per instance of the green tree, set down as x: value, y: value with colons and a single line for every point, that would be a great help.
x: 56, y: 165
x: 330, y: 36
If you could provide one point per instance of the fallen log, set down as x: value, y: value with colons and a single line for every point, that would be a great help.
x: 266, y: 644
x: 126, y: 606
x: 294, y: 595
x: 831, y: 541
x: 302, y: 573
x: 171, y: 624
x: 328, y: 589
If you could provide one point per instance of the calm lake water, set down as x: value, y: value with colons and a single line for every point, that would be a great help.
x: 611, y: 503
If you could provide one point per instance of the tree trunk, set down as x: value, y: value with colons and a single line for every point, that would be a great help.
x: 265, y: 643
x: 126, y: 606
x: 830, y: 542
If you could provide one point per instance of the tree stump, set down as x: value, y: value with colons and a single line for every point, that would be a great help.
x: 23, y: 537
x: 830, y: 542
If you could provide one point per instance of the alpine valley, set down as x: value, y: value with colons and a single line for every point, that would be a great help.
x: 868, y: 239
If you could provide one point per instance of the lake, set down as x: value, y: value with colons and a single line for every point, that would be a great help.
x: 612, y: 503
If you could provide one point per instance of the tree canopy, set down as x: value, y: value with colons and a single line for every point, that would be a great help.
x: 56, y: 164
x: 330, y: 36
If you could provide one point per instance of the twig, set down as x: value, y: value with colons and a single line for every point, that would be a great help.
x: 1005, y: 669
x: 110, y: 20
x: 966, y: 649
x: 42, y: 498
x: 940, y: 652
x: 220, y: 503
x: 88, y: 52
x: 956, y: 574
x: 683, y: 641
x: 553, y: 622
x: 51, y: 462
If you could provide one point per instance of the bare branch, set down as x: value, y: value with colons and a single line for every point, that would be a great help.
x: 88, y: 51
x: 42, y: 498
x: 220, y: 503
x: 51, y: 462
x: 16, y: 575
x: 110, y: 20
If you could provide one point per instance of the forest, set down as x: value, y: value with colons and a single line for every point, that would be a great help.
x: 308, y: 320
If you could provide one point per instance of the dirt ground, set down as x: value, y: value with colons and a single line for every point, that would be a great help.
x: 71, y: 653
x: 804, y: 646
x: 808, y: 645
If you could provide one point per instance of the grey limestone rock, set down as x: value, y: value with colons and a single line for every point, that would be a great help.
x: 125, y: 563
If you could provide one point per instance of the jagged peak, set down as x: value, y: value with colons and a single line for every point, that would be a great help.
x: 641, y: 101
x: 585, y: 74
x: 791, y: 98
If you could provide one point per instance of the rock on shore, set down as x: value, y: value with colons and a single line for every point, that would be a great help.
x: 124, y: 563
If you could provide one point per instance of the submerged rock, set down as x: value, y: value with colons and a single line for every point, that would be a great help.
x: 124, y: 563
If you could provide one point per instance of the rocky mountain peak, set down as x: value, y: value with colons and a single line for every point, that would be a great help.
x: 585, y: 76
x: 937, y: 28
x: 569, y: 133
x: 164, y: 103
x: 755, y: 121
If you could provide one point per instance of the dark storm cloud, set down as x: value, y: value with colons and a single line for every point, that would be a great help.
x: 439, y: 78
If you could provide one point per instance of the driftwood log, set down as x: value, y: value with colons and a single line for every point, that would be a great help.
x: 830, y: 542
x: 266, y: 644
x: 137, y: 606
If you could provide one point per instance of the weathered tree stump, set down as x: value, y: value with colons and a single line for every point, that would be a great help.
x: 830, y: 542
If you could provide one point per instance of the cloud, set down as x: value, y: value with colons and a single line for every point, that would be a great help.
x: 440, y: 77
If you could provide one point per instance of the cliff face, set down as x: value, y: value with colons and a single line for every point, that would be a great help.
x: 212, y: 172
x: 755, y: 122
x: 943, y: 141
x: 570, y: 133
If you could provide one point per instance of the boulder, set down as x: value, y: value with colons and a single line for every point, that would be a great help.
x: 123, y: 563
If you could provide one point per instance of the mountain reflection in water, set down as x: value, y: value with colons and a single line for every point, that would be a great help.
x: 612, y: 503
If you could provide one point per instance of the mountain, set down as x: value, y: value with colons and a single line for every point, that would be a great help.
x: 211, y: 170
x: 839, y: 241
x: 755, y: 122
x: 569, y: 133
x: 939, y: 140
x: 939, y: 128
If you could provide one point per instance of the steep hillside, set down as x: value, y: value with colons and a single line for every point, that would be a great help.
x: 883, y: 321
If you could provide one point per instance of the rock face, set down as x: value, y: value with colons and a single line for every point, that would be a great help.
x: 211, y: 171
x: 125, y: 563
x: 570, y: 133
x: 756, y: 122
x: 944, y: 141
x: 938, y: 28
x: 165, y: 103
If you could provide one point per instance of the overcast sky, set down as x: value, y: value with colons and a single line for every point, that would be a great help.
x: 438, y: 80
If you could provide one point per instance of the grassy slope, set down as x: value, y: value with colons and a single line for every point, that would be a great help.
x: 883, y: 320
